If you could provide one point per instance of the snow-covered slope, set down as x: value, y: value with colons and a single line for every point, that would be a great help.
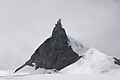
x: 27, y: 70
x: 61, y: 77
x: 93, y: 62
x: 76, y: 46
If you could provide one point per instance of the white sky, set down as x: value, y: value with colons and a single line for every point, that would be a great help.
x: 25, y: 24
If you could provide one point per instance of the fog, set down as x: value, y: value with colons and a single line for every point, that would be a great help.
x: 25, y: 24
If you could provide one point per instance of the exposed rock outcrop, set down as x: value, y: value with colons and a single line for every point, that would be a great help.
x: 117, y: 61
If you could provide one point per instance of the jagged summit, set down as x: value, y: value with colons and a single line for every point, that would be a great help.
x: 59, y: 33
x: 54, y: 53
x: 58, y: 23
x: 58, y: 28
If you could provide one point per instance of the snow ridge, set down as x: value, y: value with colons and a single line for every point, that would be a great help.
x: 76, y: 46
x: 93, y: 62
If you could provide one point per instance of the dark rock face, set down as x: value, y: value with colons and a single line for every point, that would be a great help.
x: 117, y: 61
x: 55, y: 52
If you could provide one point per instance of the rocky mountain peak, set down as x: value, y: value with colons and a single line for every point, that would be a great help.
x: 58, y: 23
x: 54, y: 52
x: 59, y: 34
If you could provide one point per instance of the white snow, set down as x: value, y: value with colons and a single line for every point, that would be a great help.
x: 76, y: 46
x: 61, y: 77
x: 93, y: 62
x: 4, y: 73
x: 27, y: 70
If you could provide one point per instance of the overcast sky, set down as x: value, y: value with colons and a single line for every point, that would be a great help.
x: 25, y: 24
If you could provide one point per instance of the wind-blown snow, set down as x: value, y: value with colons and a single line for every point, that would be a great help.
x: 93, y: 62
